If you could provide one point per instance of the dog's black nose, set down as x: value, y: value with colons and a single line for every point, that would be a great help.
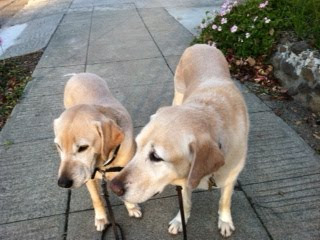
x: 117, y: 187
x: 65, y: 182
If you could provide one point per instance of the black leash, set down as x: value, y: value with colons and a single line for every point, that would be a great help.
x: 183, y: 221
x: 113, y: 223
x: 104, y: 187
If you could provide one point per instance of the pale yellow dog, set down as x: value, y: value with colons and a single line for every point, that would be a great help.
x: 88, y: 133
x: 199, y: 141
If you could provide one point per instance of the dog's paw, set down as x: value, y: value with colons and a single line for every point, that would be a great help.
x: 100, y: 223
x: 175, y: 226
x: 135, y: 211
x: 226, y: 228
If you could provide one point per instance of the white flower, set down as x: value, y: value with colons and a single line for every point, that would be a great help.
x: 224, y: 20
x: 219, y: 29
x: 214, y: 27
x: 267, y: 20
x: 234, y: 28
x: 248, y: 35
x: 203, y: 25
x: 255, y: 18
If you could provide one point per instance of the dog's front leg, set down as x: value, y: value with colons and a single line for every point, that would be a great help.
x: 133, y: 210
x: 175, y: 225
x: 225, y: 223
x: 101, y: 219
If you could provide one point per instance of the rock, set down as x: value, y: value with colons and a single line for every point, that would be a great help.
x: 288, y: 68
x: 299, y: 47
x: 292, y: 91
x: 314, y: 104
x: 303, y: 88
x: 283, y: 48
x: 275, y: 61
x: 307, y: 74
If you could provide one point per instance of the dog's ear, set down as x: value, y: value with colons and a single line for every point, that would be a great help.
x: 206, y: 158
x: 111, y: 135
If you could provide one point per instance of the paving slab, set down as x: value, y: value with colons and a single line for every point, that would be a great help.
x: 171, y: 38
x: 133, y: 73
x: 32, y: 119
x: 28, y: 182
x: 158, y: 212
x: 41, y: 228
x: 31, y: 39
x: 191, y: 18
x: 282, y: 179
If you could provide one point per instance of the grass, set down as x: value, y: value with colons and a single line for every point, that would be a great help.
x: 14, y: 75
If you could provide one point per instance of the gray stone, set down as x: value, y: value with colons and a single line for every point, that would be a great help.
x: 292, y: 91
x: 43, y: 228
x: 288, y: 68
x: 28, y: 187
x: 275, y: 61
x: 158, y: 212
x: 308, y: 75
x: 314, y: 103
x: 283, y: 48
x: 299, y: 47
x: 303, y: 88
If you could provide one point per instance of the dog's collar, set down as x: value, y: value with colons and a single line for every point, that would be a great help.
x: 114, y: 155
x: 108, y: 162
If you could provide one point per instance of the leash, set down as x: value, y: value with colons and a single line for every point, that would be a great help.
x: 183, y: 221
x: 113, y: 223
x: 104, y: 187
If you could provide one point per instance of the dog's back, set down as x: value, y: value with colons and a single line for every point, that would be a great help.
x: 203, y: 77
x: 86, y: 88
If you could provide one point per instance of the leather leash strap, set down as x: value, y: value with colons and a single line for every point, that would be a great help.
x: 184, y: 227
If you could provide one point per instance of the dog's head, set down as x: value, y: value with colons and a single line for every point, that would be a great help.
x: 172, y: 147
x: 84, y: 136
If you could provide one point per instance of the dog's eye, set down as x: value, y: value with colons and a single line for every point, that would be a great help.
x: 154, y: 157
x: 83, y: 148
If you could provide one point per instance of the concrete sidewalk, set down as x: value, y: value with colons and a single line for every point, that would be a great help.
x: 135, y: 45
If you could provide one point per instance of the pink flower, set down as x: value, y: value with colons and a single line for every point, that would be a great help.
x: 219, y: 29
x: 263, y: 5
x: 222, y: 13
x: 224, y: 20
x: 234, y: 28
x: 214, y: 27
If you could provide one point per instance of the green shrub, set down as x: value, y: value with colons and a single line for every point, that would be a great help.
x: 252, y: 28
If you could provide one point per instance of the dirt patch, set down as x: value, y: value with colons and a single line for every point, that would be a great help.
x: 14, y: 74
x: 302, y: 120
